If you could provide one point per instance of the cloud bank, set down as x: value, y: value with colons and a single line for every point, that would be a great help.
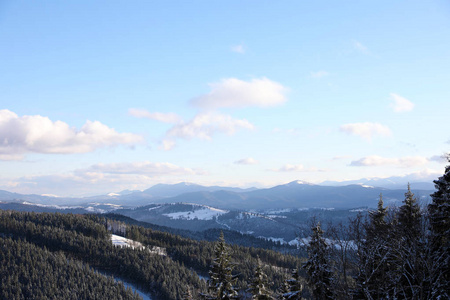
x: 101, y: 178
x: 38, y: 134
x: 375, y: 160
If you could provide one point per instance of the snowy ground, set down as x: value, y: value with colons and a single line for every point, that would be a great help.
x: 205, y: 213
x: 120, y: 241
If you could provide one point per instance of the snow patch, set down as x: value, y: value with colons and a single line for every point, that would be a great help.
x: 205, y: 213
x: 121, y: 241
x: 152, y: 208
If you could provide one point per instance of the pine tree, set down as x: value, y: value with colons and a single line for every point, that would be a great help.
x: 292, y: 289
x: 320, y: 277
x: 410, y: 216
x: 374, y: 254
x: 439, y: 218
x: 259, y: 286
x: 220, y: 284
x: 409, y: 253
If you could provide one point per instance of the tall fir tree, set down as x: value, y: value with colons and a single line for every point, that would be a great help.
x: 292, y: 289
x: 319, y: 275
x: 409, y: 250
x: 439, y: 240
x: 374, y: 255
x: 259, y: 287
x: 220, y: 284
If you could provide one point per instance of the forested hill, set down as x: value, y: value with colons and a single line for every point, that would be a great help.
x: 33, y: 244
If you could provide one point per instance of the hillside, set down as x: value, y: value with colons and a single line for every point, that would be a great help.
x: 84, y: 238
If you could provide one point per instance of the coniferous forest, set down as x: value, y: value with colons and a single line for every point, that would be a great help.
x: 392, y: 253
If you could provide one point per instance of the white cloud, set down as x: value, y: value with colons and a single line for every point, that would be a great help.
x: 404, y: 162
x: 360, y: 47
x: 232, y: 92
x: 400, y: 104
x: 19, y: 135
x: 11, y: 157
x: 101, y: 179
x: 296, y: 168
x: 247, y: 161
x: 157, y: 116
x: 366, y: 130
x: 205, y: 125
x: 144, y: 168
x: 238, y: 49
x: 319, y: 74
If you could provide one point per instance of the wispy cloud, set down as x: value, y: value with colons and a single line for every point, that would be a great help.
x: 101, y: 178
x: 157, y: 116
x: 233, y: 92
x: 360, y: 47
x: 238, y: 49
x: 400, y: 104
x: 143, y: 168
x: 247, y: 161
x: 296, y: 168
x: 319, y: 74
x: 38, y: 134
x: 204, y: 126
x: 403, y: 162
x: 366, y: 130
x: 340, y: 157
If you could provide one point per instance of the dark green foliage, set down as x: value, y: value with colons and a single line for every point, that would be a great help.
x: 30, y: 272
x: 409, y: 274
x: 319, y: 275
x: 292, y: 289
x: 259, y: 287
x: 84, y: 238
x: 375, y: 256
x: 221, y: 282
x: 439, y: 216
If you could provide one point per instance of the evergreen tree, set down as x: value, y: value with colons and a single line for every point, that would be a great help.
x: 439, y: 218
x: 259, y: 287
x: 220, y: 284
x: 293, y: 288
x: 319, y: 275
x: 374, y: 255
x: 410, y: 216
x: 409, y: 253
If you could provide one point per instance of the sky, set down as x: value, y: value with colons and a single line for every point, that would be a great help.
x: 103, y: 96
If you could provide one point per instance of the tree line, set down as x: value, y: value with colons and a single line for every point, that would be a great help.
x: 394, y: 253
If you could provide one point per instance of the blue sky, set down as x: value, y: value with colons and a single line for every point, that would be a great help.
x: 101, y: 96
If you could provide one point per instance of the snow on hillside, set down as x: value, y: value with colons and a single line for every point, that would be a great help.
x: 204, y: 213
x: 120, y: 241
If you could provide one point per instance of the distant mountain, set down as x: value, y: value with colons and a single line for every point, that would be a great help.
x: 393, y: 183
x: 172, y: 190
x: 296, y: 194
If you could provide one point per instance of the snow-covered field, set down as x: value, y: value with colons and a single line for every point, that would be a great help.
x: 120, y: 241
x: 205, y: 213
